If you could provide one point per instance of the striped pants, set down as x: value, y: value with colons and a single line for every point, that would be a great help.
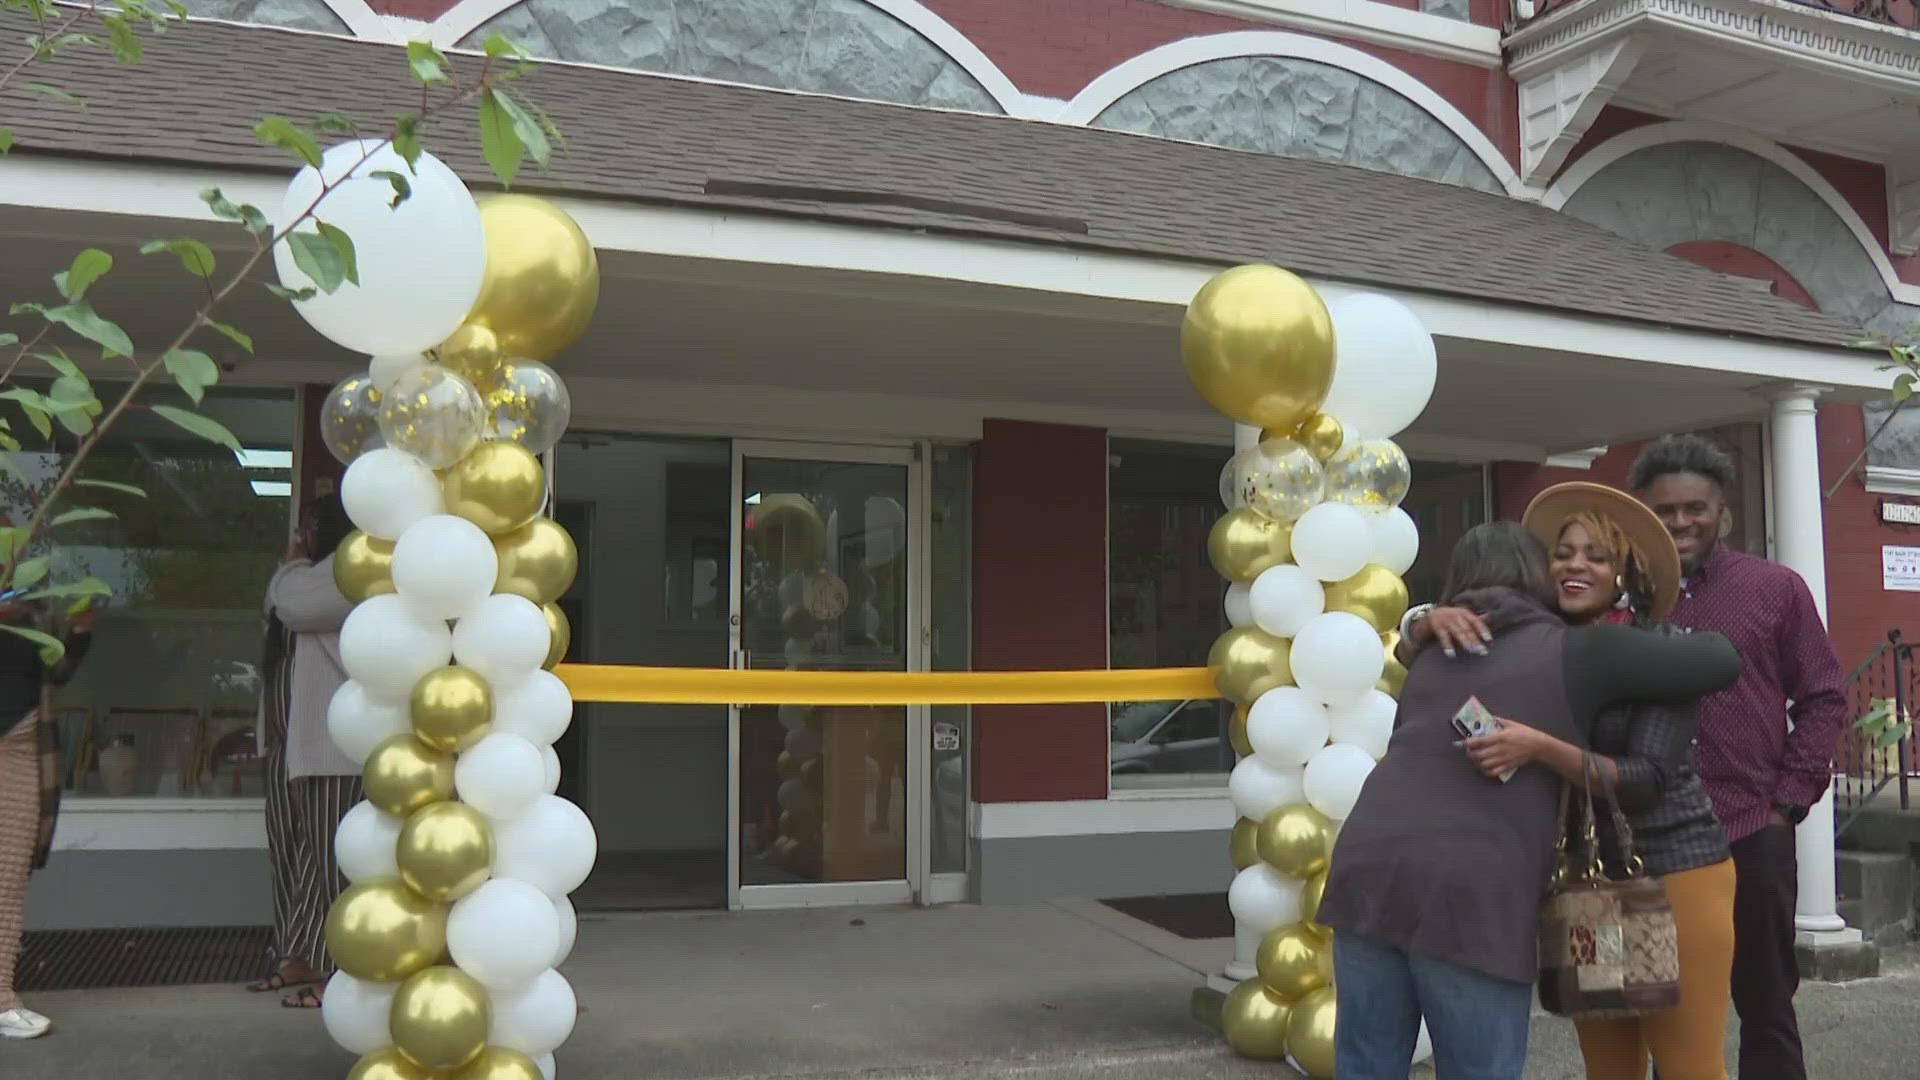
x: 19, y: 832
x: 302, y: 815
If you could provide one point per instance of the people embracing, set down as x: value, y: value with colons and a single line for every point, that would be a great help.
x: 1437, y: 877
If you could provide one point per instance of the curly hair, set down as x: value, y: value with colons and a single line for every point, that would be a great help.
x: 1682, y: 454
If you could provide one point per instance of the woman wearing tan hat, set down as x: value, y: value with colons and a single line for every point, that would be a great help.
x: 1612, y: 560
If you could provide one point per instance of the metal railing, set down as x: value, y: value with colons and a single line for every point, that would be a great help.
x: 1874, y: 762
x: 1904, y: 14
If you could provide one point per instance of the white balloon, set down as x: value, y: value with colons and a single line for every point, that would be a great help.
x: 358, y: 722
x: 1385, y: 367
x: 388, y: 647
x: 538, y: 708
x: 1332, y: 541
x: 504, y: 638
x: 1334, y: 778
x: 550, y: 1069
x: 805, y: 742
x: 503, y: 933
x: 549, y: 769
x: 385, y: 371
x: 386, y: 490
x: 794, y: 717
x: 1264, y: 898
x: 1284, y: 597
x: 356, y: 1013
x: 365, y: 845
x: 1238, y: 604
x: 444, y: 565
x: 1366, y: 723
x: 419, y: 264
x: 1258, y: 789
x: 551, y: 846
x: 536, y: 1018
x: 1287, y: 727
x: 1396, y: 540
x: 501, y: 776
x: 794, y: 795
x: 1337, y: 655
x: 569, y: 924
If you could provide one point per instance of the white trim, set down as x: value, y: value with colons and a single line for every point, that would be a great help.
x: 362, y: 19
x: 1372, y: 22
x: 1620, y: 146
x: 1576, y: 459
x: 1887, y: 480
x: 828, y: 894
x: 1130, y: 75
x: 465, y: 17
x: 161, y: 824
x: 1188, y: 812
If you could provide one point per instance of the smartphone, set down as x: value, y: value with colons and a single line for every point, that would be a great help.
x: 1474, y: 719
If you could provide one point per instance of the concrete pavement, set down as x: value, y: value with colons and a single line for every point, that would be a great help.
x: 1060, y: 992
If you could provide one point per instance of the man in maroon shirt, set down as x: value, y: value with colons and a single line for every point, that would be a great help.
x: 1766, y: 744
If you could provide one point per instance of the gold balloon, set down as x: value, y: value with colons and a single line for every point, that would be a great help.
x: 1322, y: 435
x: 383, y: 931
x: 473, y: 351
x: 1310, y: 1033
x: 388, y: 1063
x: 787, y: 765
x: 1296, y: 840
x: 1258, y: 344
x: 1310, y: 897
x: 537, y: 561
x: 1245, y: 845
x: 363, y: 567
x: 1237, y: 732
x: 791, y: 528
x: 499, y: 1063
x: 404, y: 774
x: 1376, y: 594
x: 1247, y: 662
x: 500, y: 486
x: 1394, y: 679
x: 452, y: 708
x: 1255, y: 1021
x: 1243, y: 543
x: 1294, y: 962
x: 543, y: 278
x: 440, y: 1018
x: 561, y: 635
x: 445, y: 851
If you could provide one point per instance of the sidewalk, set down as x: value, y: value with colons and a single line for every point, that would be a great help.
x: 1063, y: 992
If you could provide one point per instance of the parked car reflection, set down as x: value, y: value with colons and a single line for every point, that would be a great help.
x: 1161, y: 737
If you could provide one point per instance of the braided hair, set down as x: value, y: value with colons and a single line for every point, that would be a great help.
x: 1627, y: 559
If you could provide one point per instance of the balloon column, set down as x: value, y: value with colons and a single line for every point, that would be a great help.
x: 461, y: 858
x: 1313, y: 543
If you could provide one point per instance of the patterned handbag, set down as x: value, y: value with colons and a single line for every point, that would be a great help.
x: 1608, y: 947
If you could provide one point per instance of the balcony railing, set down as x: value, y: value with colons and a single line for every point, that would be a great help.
x: 1903, y: 14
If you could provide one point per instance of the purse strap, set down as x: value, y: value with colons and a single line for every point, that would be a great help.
x: 1585, y: 824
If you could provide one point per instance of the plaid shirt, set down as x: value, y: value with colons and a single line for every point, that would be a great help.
x: 1749, y: 758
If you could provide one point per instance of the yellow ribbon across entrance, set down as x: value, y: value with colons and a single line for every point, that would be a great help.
x: 720, y: 686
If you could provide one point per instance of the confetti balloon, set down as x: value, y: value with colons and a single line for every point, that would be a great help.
x: 433, y: 414
x: 350, y: 419
x: 1278, y: 478
x: 1374, y: 476
x: 528, y: 404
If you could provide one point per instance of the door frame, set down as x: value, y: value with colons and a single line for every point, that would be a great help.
x: 913, y: 888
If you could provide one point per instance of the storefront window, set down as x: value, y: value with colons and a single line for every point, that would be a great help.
x: 951, y: 549
x: 165, y: 703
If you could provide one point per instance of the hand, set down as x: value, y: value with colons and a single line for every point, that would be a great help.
x: 1510, y: 747
x: 1779, y: 820
x: 81, y: 622
x: 1458, y: 628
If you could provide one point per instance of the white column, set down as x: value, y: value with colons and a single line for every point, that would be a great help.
x: 1246, y: 942
x: 1800, y: 543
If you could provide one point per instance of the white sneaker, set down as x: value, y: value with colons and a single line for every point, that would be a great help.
x: 23, y: 1023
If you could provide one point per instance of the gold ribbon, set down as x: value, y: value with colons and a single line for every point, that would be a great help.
x: 721, y: 686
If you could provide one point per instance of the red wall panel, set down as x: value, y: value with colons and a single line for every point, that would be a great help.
x: 1039, y: 603
x: 1859, y: 611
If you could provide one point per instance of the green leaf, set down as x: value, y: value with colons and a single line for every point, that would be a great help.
x: 111, y: 485
x: 1892, y: 736
x: 39, y: 411
x: 285, y: 293
x: 406, y: 138
x: 208, y: 429
x: 27, y: 309
x: 71, y: 401
x: 126, y: 43
x: 9, y: 339
x: 428, y: 63
x: 80, y: 317
x: 337, y: 122
x: 193, y: 370
x: 6, y: 140
x: 285, y: 134
x: 402, y: 190
x: 223, y: 208
x: 194, y: 255
x: 499, y: 141
x: 53, y: 92
x: 81, y: 513
x: 499, y: 47
x: 86, y: 586
x: 343, y: 244
x: 88, y: 267
x: 60, y: 362
x: 231, y: 333
x: 532, y: 133
x: 30, y: 573
x: 51, y: 648
x: 318, y: 258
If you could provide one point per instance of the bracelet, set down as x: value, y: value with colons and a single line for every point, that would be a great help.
x: 1414, y: 614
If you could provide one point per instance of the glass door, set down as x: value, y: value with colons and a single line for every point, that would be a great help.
x: 829, y: 803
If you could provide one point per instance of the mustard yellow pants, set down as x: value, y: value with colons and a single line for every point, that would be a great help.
x: 1689, y: 1041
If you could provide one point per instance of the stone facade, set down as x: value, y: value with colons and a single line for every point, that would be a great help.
x: 844, y: 47
x: 1299, y: 108
x: 298, y: 14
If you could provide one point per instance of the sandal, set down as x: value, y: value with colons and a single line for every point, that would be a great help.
x: 304, y: 998
x: 277, y: 981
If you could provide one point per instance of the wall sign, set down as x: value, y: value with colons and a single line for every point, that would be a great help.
x: 1900, y: 568
x: 1894, y: 513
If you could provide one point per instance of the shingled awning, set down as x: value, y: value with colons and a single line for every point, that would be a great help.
x: 661, y: 140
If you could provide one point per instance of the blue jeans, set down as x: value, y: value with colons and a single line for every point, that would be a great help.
x: 1478, y: 1023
